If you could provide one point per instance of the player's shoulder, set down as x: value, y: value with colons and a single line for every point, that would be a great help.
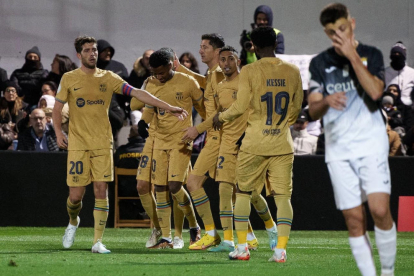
x: 185, y: 79
x: 288, y: 66
x: 72, y: 74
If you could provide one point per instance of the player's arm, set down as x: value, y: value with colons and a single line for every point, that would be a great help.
x: 57, y: 124
x: 202, y: 80
x: 296, y: 101
x: 149, y: 99
x: 241, y: 104
x: 192, y: 132
x: 371, y: 84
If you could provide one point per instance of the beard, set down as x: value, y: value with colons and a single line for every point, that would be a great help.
x: 32, y: 64
x: 87, y: 64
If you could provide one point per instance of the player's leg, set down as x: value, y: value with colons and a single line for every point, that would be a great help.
x: 102, y: 171
x: 250, y: 172
x: 226, y: 175
x: 280, y: 178
x: 349, y: 199
x: 178, y: 214
x: 177, y: 173
x: 159, y: 177
x: 205, y: 165
x: 78, y: 176
x: 377, y: 184
x: 145, y: 191
x: 262, y: 209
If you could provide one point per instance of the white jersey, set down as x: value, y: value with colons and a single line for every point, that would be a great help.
x: 358, y: 130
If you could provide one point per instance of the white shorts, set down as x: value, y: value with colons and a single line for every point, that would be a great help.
x: 353, y: 180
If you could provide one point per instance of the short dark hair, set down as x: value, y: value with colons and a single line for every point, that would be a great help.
x: 161, y: 57
x: 52, y: 85
x: 228, y: 48
x: 215, y: 40
x: 263, y: 37
x: 80, y: 40
x: 333, y: 12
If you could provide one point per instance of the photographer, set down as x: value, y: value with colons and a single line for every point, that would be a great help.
x: 263, y: 16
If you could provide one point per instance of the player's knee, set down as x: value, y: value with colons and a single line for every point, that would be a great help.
x: 194, y: 183
x: 143, y: 187
x: 226, y: 188
x: 380, y: 212
x: 160, y: 188
x: 241, y: 191
x: 282, y: 196
x: 174, y: 186
x: 75, y: 199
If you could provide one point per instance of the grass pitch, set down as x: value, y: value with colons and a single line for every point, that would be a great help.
x: 38, y: 251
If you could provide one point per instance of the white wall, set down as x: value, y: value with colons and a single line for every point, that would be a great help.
x: 133, y: 26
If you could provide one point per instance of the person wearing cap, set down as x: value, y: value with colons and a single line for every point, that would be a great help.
x: 399, y: 73
x: 393, y: 115
x: 303, y: 142
x: 11, y: 105
x: 263, y: 16
x: 30, y: 77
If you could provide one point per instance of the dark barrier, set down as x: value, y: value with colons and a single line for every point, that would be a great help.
x: 33, y: 192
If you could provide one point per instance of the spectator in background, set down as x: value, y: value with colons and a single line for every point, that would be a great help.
x: 263, y: 16
x: 116, y: 118
x: 303, y: 142
x: 399, y: 73
x: 60, y: 65
x: 393, y: 115
x: 140, y: 72
x: 188, y: 60
x: 40, y: 136
x: 128, y: 155
x: 12, y: 107
x: 105, y: 54
x: 3, y: 78
x: 406, y: 110
x: 395, y: 142
x: 30, y: 77
x: 48, y: 95
x: 6, y: 136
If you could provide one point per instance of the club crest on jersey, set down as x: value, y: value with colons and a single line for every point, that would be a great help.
x: 80, y: 102
x: 102, y: 87
x: 179, y: 96
x: 345, y: 71
x: 161, y: 111
x: 234, y: 96
x: 75, y: 179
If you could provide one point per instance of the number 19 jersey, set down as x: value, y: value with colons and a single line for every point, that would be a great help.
x: 272, y: 91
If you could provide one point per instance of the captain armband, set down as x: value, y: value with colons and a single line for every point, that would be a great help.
x: 126, y: 89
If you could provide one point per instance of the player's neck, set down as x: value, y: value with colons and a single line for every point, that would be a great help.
x: 212, y: 64
x: 233, y: 76
x: 267, y: 53
x: 87, y: 70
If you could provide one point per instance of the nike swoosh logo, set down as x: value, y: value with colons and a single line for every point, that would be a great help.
x: 108, y: 175
x: 330, y: 70
x: 386, y: 182
x: 174, y: 175
x: 74, y: 89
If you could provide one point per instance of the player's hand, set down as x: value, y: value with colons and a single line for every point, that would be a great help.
x: 216, y: 122
x: 344, y: 44
x: 190, y: 134
x: 143, y: 129
x: 61, y: 140
x: 337, y: 100
x: 178, y: 112
x: 176, y: 63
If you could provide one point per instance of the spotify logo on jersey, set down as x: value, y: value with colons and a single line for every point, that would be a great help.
x: 80, y: 102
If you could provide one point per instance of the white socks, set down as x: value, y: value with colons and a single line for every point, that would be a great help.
x: 386, y: 241
x: 362, y: 251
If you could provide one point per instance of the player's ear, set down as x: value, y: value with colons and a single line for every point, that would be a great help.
x: 238, y: 62
x: 352, y: 23
x: 79, y: 56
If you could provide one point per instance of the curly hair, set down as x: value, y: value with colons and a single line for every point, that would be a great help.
x: 80, y: 40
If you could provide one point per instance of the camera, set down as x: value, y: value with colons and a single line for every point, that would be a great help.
x: 248, y: 45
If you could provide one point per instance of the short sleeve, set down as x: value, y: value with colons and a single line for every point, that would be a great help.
x: 119, y: 85
x: 376, y: 64
x: 315, y: 78
x: 63, y: 90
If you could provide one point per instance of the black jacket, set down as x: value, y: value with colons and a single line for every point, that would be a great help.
x: 28, y: 143
x: 30, y: 82
x: 127, y: 156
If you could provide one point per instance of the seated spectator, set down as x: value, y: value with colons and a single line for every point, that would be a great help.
x: 40, y: 136
x: 6, y: 136
x: 46, y: 101
x: 188, y: 60
x: 60, y: 65
x: 128, y: 155
x: 395, y: 142
x: 393, y: 115
x: 303, y: 142
x: 12, y: 107
x: 30, y: 77
x: 405, y: 110
x: 116, y: 118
